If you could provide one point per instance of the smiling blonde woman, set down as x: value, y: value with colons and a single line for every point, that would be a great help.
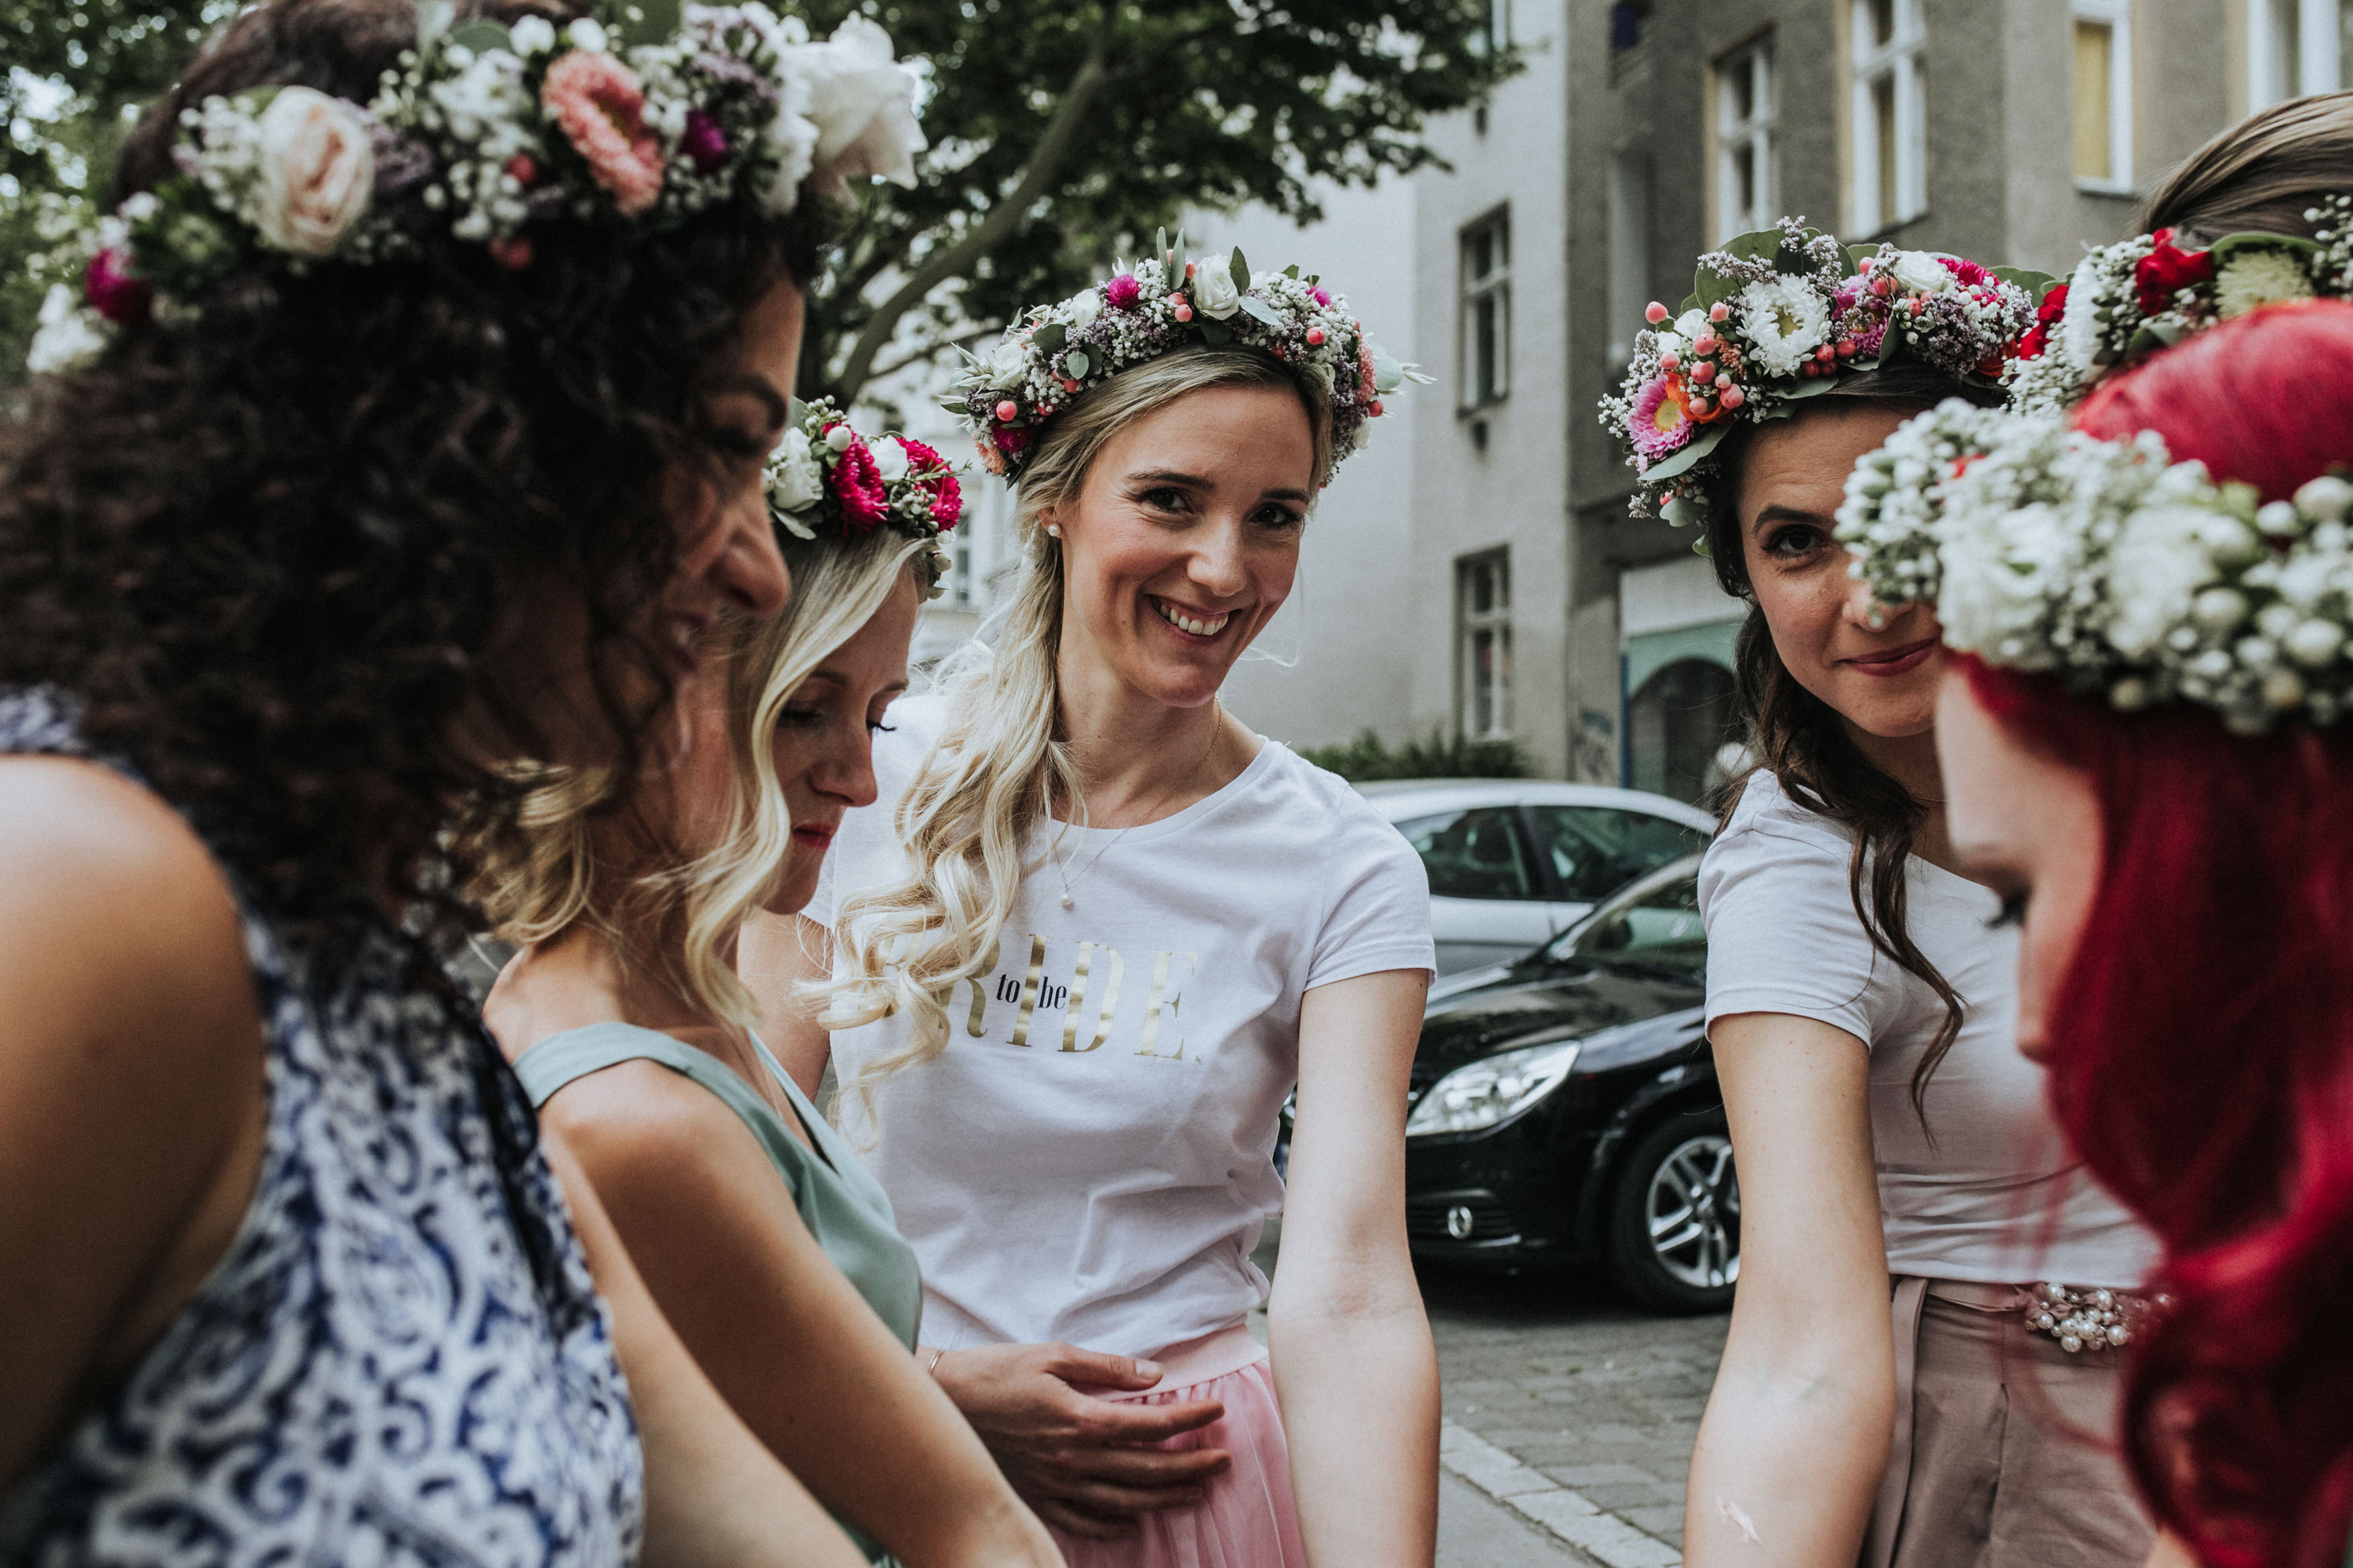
x: 1095, y: 932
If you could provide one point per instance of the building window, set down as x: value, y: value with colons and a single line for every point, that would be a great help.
x: 1890, y: 127
x: 1482, y: 596
x: 1486, y: 368
x: 2103, y: 97
x: 1745, y: 197
x: 1499, y: 24
x: 1626, y: 19
x: 1630, y: 252
x: 2298, y: 46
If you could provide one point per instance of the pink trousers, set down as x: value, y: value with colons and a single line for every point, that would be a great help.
x: 1248, y: 1520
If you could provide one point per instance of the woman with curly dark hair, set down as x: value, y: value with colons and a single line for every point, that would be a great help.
x: 410, y: 426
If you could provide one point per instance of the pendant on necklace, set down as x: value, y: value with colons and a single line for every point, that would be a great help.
x: 1066, y: 900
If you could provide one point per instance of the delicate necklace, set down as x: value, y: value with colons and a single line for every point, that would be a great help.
x: 1068, y: 882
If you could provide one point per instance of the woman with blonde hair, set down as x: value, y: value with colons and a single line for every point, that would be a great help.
x: 767, y: 1247
x: 1095, y: 932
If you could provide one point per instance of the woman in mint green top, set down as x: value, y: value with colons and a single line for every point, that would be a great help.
x: 843, y: 1207
x: 765, y: 1244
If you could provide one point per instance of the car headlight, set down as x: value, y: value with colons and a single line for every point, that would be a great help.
x: 1485, y: 1093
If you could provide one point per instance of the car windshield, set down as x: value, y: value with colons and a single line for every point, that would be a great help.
x: 1661, y: 929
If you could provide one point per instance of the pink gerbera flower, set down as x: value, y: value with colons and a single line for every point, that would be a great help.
x: 601, y: 106
x: 1662, y: 420
x: 1367, y: 382
x: 858, y: 485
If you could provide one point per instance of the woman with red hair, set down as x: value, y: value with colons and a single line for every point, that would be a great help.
x: 2146, y: 750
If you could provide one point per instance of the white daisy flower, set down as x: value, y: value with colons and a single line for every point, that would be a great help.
x: 1785, y: 320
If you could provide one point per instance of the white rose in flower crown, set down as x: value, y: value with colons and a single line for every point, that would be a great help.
x: 317, y: 169
x: 795, y: 482
x: 890, y: 459
x: 1920, y: 272
x: 864, y: 105
x: 1009, y: 367
x: 1082, y: 307
x: 1214, y: 292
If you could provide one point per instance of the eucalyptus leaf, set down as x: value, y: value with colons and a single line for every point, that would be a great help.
x: 1813, y: 388
x: 1078, y: 364
x: 1160, y: 245
x: 1240, y: 270
x: 645, y: 21
x: 434, y: 17
x: 2036, y: 284
x: 1701, y: 446
x: 1856, y: 255
x: 1259, y: 308
x: 1216, y: 334
x: 1051, y: 337
x: 1711, y: 287
x: 481, y: 35
x: 1292, y: 271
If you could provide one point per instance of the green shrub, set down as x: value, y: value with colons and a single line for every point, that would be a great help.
x: 1363, y: 759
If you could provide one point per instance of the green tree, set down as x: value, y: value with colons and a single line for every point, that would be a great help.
x: 1061, y: 130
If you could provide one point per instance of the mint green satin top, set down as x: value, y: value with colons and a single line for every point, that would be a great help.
x: 844, y: 1208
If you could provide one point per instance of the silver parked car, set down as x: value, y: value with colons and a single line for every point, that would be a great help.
x: 1515, y: 862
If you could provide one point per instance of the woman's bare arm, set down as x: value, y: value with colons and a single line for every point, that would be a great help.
x: 714, y: 1497
x: 1796, y: 1436
x: 785, y: 1337
x: 132, y: 1094
x: 1353, y: 1358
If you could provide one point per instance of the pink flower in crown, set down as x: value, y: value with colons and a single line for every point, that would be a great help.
x: 703, y: 142
x: 1661, y: 421
x: 1368, y: 381
x: 948, y: 503
x: 858, y: 485
x: 1012, y: 439
x: 601, y: 107
x: 921, y: 458
x: 113, y: 292
x: 1971, y: 275
x: 1123, y: 292
x: 1320, y: 297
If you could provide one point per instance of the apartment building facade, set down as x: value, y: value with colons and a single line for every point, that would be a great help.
x: 1475, y: 572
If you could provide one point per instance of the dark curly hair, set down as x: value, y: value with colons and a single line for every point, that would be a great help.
x: 269, y: 552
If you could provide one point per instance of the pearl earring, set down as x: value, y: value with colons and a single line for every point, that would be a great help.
x: 1053, y: 531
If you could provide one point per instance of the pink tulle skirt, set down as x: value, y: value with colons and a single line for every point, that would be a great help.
x: 1248, y: 1520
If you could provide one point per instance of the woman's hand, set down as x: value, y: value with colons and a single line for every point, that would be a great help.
x: 1083, y: 1463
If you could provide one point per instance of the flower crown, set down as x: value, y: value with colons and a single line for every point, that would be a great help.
x: 2045, y: 548
x: 1054, y: 352
x: 483, y: 134
x: 2126, y: 299
x: 825, y: 480
x: 1779, y: 316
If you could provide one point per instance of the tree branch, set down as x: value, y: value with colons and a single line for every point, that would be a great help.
x: 1006, y: 218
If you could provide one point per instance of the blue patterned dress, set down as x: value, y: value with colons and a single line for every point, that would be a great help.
x: 400, y: 1360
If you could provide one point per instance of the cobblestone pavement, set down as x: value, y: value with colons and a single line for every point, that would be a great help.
x: 1596, y: 1401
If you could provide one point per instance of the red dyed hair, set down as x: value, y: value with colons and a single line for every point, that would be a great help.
x: 2204, y: 1063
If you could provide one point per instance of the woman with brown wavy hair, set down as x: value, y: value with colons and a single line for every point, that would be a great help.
x: 409, y: 425
x: 1890, y: 1142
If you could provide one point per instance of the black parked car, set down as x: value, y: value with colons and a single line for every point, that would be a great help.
x: 1565, y: 1108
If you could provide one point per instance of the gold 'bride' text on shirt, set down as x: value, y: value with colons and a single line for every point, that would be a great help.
x: 1097, y: 970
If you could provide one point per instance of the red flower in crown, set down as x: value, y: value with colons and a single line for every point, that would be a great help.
x: 858, y: 485
x: 948, y: 503
x: 113, y: 292
x: 2046, y: 321
x: 2166, y: 271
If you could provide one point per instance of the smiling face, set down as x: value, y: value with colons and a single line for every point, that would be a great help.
x: 726, y: 559
x: 824, y: 737
x: 1881, y: 678
x: 1183, y: 541
x: 2023, y: 825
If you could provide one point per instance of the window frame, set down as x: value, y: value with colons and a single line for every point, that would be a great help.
x: 2116, y: 17
x: 1759, y: 134
x: 1468, y: 624
x: 1901, y: 62
x: 1631, y: 200
x: 1471, y: 293
x: 2318, y: 38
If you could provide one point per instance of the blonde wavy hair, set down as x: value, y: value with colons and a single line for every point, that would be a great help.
x: 996, y: 768
x: 665, y: 912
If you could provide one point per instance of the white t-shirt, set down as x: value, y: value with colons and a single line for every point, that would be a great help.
x: 1091, y: 1157
x: 1998, y: 1197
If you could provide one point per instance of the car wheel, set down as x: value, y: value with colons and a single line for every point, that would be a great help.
x: 1675, y: 1224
